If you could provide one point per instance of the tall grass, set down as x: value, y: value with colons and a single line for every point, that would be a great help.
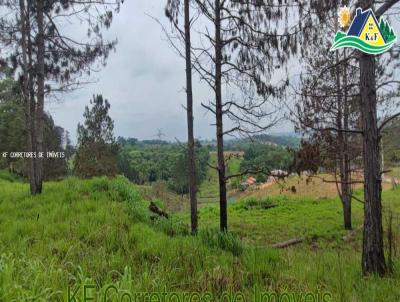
x: 227, y: 241
x: 100, y: 232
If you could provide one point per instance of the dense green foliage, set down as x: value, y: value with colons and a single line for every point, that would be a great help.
x: 12, y: 133
x: 9, y: 177
x: 265, y: 158
x: 265, y: 139
x: 150, y: 161
x: 97, y: 150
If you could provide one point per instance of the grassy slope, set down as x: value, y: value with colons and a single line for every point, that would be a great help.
x: 90, y: 231
x: 324, y: 260
x: 208, y: 191
x: 395, y: 172
x: 296, y: 217
x: 81, y: 232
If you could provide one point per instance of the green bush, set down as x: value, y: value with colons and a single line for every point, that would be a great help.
x: 123, y: 190
x: 235, y: 183
x: 100, y: 184
x: 255, y: 203
x: 227, y: 241
x: 5, y: 175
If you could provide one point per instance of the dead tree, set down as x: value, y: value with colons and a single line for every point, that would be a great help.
x: 327, y: 112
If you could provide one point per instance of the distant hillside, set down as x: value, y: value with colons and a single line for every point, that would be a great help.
x: 281, y: 140
x: 265, y: 139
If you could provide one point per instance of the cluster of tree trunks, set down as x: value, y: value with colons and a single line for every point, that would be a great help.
x: 50, y: 60
x: 33, y: 73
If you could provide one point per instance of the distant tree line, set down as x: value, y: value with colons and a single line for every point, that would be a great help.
x: 99, y: 153
x: 147, y: 161
x: 266, y: 158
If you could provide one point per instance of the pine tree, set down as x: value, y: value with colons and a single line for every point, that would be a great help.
x: 97, y: 150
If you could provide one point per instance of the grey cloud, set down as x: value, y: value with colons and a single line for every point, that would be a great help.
x: 143, y: 81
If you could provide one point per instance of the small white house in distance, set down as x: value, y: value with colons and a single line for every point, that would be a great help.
x: 279, y: 173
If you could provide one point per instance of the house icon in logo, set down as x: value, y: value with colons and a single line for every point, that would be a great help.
x: 366, y: 27
x: 366, y: 34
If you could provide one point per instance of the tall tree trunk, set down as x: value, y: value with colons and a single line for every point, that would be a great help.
x: 26, y: 79
x: 219, y: 119
x: 342, y: 141
x: 32, y: 101
x: 346, y: 180
x: 373, y: 258
x: 346, y: 194
x: 347, y: 191
x: 189, y: 109
x: 40, y: 95
x: 345, y: 187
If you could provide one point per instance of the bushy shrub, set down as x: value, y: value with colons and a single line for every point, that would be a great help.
x: 255, y: 203
x: 235, y: 183
x: 123, y: 190
x: 5, y: 175
x: 227, y: 241
x: 100, y: 184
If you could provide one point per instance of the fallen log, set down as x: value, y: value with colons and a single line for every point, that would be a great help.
x: 285, y: 244
x: 264, y: 207
x: 156, y: 210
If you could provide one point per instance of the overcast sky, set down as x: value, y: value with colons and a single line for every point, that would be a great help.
x: 143, y: 81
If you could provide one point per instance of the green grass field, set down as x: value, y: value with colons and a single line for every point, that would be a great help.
x: 209, y: 191
x: 99, y: 232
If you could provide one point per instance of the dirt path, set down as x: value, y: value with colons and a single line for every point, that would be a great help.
x: 266, y: 185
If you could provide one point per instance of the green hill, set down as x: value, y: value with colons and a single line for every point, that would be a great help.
x: 100, y: 233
